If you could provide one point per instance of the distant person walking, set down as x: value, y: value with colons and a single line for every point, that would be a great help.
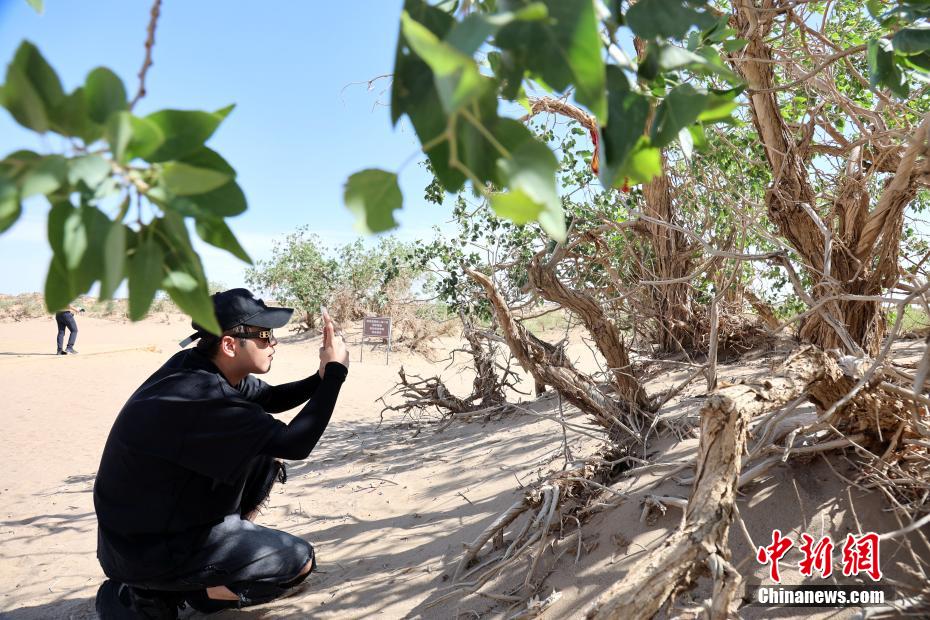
x: 65, y: 318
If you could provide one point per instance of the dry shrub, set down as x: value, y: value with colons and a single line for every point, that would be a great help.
x: 740, y: 333
x: 22, y: 307
x: 345, y: 306
x: 414, y: 323
x: 27, y: 306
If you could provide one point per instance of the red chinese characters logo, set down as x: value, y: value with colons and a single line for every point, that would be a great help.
x: 816, y: 556
x: 860, y: 555
x: 774, y: 552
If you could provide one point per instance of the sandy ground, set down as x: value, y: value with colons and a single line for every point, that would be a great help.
x: 388, y: 505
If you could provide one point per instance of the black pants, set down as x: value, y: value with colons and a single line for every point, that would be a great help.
x: 257, y: 563
x: 66, y: 319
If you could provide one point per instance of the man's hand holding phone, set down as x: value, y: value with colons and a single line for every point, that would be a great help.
x: 334, y: 347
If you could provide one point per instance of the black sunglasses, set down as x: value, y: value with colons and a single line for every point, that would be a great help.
x: 265, y: 334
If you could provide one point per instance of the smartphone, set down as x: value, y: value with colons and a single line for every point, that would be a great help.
x: 323, y: 311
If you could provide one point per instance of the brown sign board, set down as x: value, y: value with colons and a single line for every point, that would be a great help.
x: 376, y: 327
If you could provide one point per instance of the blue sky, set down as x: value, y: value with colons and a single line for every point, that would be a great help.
x: 300, y: 126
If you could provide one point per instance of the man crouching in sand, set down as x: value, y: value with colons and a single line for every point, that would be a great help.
x: 191, y: 458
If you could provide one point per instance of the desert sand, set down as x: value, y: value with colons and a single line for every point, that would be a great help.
x: 387, y: 503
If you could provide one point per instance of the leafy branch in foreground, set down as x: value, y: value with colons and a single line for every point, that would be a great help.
x: 121, y: 191
x: 453, y: 66
x: 456, y: 60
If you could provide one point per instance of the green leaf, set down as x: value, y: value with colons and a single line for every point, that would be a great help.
x: 70, y: 118
x: 911, y: 41
x: 735, y: 45
x: 564, y: 50
x: 918, y: 62
x: 373, y: 196
x: 226, y: 201
x: 196, y: 303
x: 179, y: 253
x: 180, y: 257
x: 105, y: 94
x: 470, y: 34
x: 74, y: 240
x: 60, y: 212
x: 146, y: 269
x: 698, y: 138
x: 119, y: 134
x: 680, y: 108
x: 218, y: 234
x: 32, y: 90
x: 114, y: 260
x: 184, y: 131
x: 45, y: 176
x: 183, y: 179
x: 179, y: 280
x: 18, y: 163
x: 91, y: 170
x: 628, y: 112
x: 686, y: 142
x: 58, y: 287
x: 222, y: 113
x: 91, y: 268
x: 719, y: 106
x: 883, y: 70
x: 37, y: 5
x: 10, y: 207
x: 673, y: 58
x: 665, y: 18
x: 210, y: 160
x: 643, y: 164
x: 414, y: 93
x: 409, y: 70
x: 146, y: 138
x: 455, y: 74
x: 529, y: 170
x: 23, y: 102
x: 516, y: 206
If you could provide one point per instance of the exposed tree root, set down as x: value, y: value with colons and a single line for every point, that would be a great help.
x: 545, y: 507
x: 701, y: 541
x: 487, y: 389
x: 423, y: 393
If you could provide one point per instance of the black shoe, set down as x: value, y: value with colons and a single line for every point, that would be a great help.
x: 70, y: 351
x: 117, y: 601
x: 60, y: 352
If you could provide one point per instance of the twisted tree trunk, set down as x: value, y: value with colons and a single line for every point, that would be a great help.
x: 549, y: 366
x: 606, y: 335
x: 856, y: 256
x: 671, y: 259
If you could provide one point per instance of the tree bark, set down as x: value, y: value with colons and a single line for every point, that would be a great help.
x: 549, y: 366
x: 702, y: 537
x: 843, y: 259
x: 671, y: 259
x: 606, y: 335
x: 488, y: 387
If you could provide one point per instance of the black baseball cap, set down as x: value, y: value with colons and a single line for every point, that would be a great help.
x: 239, y: 306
